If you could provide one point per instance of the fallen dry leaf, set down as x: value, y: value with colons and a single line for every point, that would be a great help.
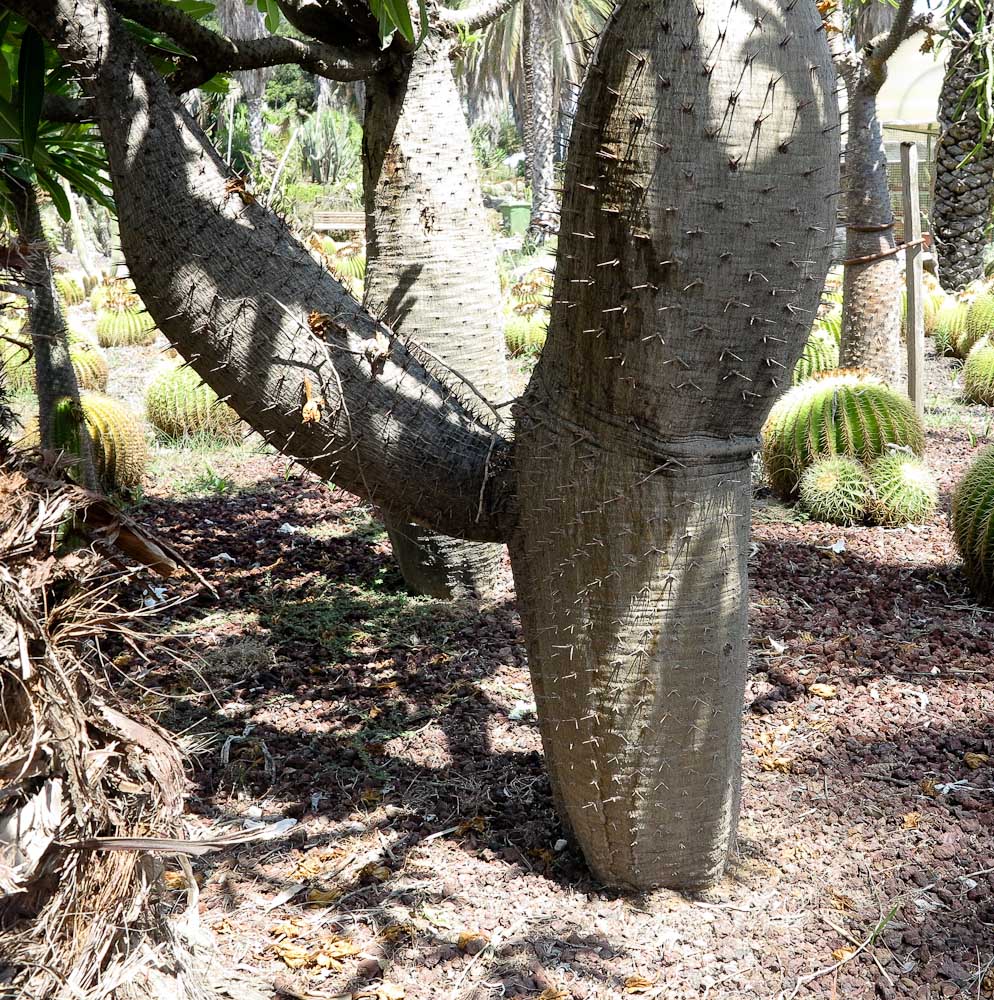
x: 638, y: 984
x: 477, y: 823
x: 554, y: 993
x: 841, y: 901
x: 323, y: 897
x: 384, y: 991
x: 375, y: 872
x: 929, y: 787
x: 823, y: 690
x: 397, y: 931
x: 472, y: 941
x: 910, y: 821
x: 841, y: 954
x: 975, y: 760
x: 174, y: 880
x: 294, y: 955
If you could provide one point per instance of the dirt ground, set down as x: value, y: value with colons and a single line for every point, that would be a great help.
x: 427, y: 861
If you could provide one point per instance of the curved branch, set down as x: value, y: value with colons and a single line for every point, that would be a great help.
x: 476, y: 17
x: 216, y: 53
x: 68, y: 110
x: 885, y: 44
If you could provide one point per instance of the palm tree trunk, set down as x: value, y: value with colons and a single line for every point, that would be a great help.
x: 541, y: 89
x: 431, y: 271
x: 55, y: 376
x: 635, y: 435
x: 964, y: 191
x: 871, y: 309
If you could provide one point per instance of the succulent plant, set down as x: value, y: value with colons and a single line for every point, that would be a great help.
x: 840, y: 412
x: 345, y: 260
x: 950, y: 322
x: 115, y: 294
x: 978, y: 372
x: 904, y: 490
x: 830, y: 324
x: 835, y: 489
x: 979, y: 323
x: 973, y: 524
x: 122, y: 328
x: 120, y: 450
x: 525, y: 334
x: 180, y: 405
x: 70, y: 289
x: 87, y: 360
x: 821, y: 353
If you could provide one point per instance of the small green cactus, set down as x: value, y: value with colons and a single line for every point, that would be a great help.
x: 87, y: 360
x: 973, y: 524
x: 120, y: 450
x: 830, y: 325
x: 950, y: 322
x: 115, y: 294
x: 821, y: 353
x: 978, y: 373
x: 525, y: 334
x: 835, y: 489
x: 180, y: 405
x: 70, y: 289
x: 904, y: 490
x: 979, y: 323
x: 841, y: 412
x: 124, y: 329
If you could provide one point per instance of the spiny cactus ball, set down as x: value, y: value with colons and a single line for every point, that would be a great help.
x: 905, y: 490
x: 70, y: 289
x: 525, y: 334
x: 88, y: 363
x: 830, y: 324
x: 979, y: 323
x: 120, y: 451
x: 124, y: 329
x: 840, y: 412
x: 835, y: 489
x: 821, y: 353
x: 978, y: 373
x: 973, y: 524
x: 950, y: 322
x: 115, y: 294
x: 180, y: 405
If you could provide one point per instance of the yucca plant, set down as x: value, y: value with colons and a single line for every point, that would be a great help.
x: 904, y: 490
x: 978, y: 373
x: 180, y: 405
x: 973, y: 524
x: 120, y: 449
x: 840, y: 412
x: 835, y: 489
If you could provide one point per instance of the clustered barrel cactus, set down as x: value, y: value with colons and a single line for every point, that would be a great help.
x: 835, y: 489
x: 525, y: 334
x: 70, y: 289
x: 979, y: 323
x: 903, y: 490
x: 180, y: 405
x: 841, y: 412
x: 124, y: 328
x: 87, y: 359
x: 973, y: 524
x: 978, y: 373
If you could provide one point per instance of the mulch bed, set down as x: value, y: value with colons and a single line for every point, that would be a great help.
x: 427, y: 860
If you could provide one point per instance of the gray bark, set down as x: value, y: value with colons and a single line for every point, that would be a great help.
x: 431, y: 271
x: 696, y: 219
x: 55, y: 376
x: 540, y: 87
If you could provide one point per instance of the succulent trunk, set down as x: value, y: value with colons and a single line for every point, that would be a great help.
x: 540, y: 88
x: 254, y: 107
x: 964, y: 172
x: 678, y: 312
x: 55, y: 376
x: 871, y: 307
x: 431, y: 272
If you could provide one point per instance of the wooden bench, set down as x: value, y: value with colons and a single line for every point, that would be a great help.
x: 336, y: 222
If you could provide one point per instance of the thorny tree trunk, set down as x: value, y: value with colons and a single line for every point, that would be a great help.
x: 964, y: 192
x: 254, y: 107
x: 431, y: 272
x: 540, y: 87
x: 871, y: 307
x: 705, y: 138
x: 241, y: 20
x: 694, y: 248
x: 54, y: 372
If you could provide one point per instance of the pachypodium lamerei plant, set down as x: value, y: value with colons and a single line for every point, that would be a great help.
x: 845, y: 412
x: 835, y: 489
x: 973, y: 524
x: 904, y: 490
x: 180, y: 404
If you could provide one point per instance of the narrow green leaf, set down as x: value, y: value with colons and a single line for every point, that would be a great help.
x: 55, y: 189
x: 31, y: 84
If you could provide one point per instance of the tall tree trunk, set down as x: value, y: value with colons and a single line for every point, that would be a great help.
x: 871, y: 306
x: 540, y: 87
x: 55, y: 376
x: 431, y: 272
x: 964, y: 192
x: 698, y: 207
x: 255, y: 106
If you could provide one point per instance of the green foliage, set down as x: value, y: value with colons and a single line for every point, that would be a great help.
x: 180, y: 405
x: 395, y: 15
x: 978, y: 373
x: 123, y: 328
x: 973, y: 524
x: 821, y: 353
x: 290, y: 85
x: 950, y: 322
x: 493, y: 142
x: 70, y: 289
x: 526, y: 334
x: 979, y: 323
x: 904, y: 490
x: 88, y: 362
x: 331, y: 144
x: 836, y: 413
x: 835, y: 489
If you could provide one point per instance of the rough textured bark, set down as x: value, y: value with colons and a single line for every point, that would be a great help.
x: 260, y: 319
x: 540, y: 86
x: 693, y: 249
x: 871, y: 291
x: 431, y: 271
x: 54, y: 372
x: 239, y: 21
x: 964, y: 192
